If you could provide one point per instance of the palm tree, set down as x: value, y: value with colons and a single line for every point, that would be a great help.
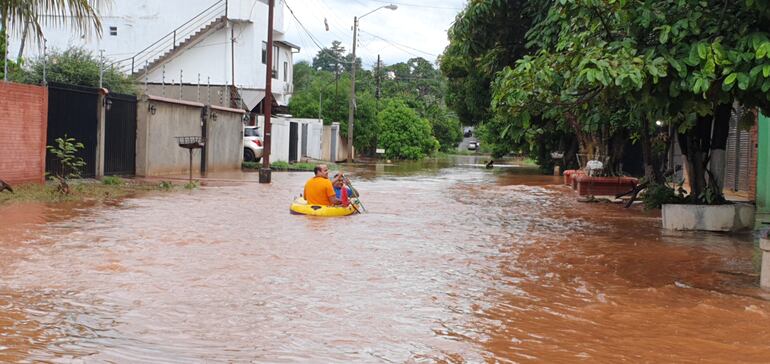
x: 21, y: 16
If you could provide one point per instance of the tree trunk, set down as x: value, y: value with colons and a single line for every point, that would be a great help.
x: 721, y: 131
x: 23, y: 40
x: 570, y: 159
x: 695, y: 145
x: 616, y: 149
x: 651, y: 170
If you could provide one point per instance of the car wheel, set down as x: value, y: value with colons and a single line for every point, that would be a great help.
x: 248, y: 155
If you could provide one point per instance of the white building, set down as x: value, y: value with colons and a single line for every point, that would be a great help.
x: 221, y: 43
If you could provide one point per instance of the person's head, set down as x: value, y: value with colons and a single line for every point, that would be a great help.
x: 337, y: 181
x: 321, y: 170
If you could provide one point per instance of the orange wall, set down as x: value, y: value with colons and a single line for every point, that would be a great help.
x: 23, y: 123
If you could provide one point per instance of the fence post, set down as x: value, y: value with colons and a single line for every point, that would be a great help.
x: 101, y: 115
x: 163, y: 82
x: 180, y: 84
x: 146, y: 77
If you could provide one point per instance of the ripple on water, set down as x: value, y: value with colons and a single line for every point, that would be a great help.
x: 450, y: 265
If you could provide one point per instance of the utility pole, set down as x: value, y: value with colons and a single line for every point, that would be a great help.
x: 336, y: 85
x: 377, y: 93
x: 352, y: 107
x: 351, y: 111
x: 265, y: 172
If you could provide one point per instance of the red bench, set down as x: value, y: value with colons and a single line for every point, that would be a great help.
x: 569, y: 176
x: 603, y: 186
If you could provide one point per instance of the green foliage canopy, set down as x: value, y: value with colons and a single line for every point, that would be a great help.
x: 403, y: 134
x: 76, y: 66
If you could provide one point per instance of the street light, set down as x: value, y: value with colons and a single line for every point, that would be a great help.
x: 352, y: 106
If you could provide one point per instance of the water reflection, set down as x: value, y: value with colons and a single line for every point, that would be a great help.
x: 454, y: 263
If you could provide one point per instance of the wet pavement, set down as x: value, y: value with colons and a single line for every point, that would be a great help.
x: 451, y: 264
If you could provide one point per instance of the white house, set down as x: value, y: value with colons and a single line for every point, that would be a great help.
x: 188, y: 43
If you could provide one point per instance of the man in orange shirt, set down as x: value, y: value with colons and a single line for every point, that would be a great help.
x: 319, y: 189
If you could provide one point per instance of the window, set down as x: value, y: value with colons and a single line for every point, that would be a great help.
x: 285, y: 71
x: 113, y: 30
x: 276, y: 60
x: 264, y: 52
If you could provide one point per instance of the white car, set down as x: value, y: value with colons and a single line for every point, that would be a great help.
x: 474, y: 145
x: 252, y: 144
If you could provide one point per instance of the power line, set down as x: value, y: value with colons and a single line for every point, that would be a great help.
x: 417, y: 5
x: 399, y: 45
x: 309, y: 34
x: 342, y: 33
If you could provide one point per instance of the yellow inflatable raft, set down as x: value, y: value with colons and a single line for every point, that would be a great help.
x: 301, y: 207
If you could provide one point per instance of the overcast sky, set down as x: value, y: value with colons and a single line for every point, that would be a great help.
x: 416, y: 29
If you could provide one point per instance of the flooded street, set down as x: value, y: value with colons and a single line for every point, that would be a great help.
x: 451, y: 264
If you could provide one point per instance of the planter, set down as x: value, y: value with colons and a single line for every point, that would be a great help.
x: 730, y: 217
x: 603, y: 186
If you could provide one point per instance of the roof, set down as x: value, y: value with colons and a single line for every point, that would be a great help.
x: 288, y: 44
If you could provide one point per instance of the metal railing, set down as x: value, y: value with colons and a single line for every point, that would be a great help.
x: 170, y: 41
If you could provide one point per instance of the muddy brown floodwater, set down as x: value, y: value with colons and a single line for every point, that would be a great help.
x: 452, y: 264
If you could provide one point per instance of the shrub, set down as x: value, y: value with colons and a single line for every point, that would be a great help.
x: 403, y: 134
x: 656, y: 195
x: 70, y: 164
x: 77, y: 66
x: 166, y: 185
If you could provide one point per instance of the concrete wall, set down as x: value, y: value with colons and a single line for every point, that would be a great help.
x: 314, y: 137
x: 332, y: 138
x: 279, y: 147
x: 157, y: 150
x: 158, y: 121
x: 224, y: 149
x: 209, y: 95
x: 24, y: 121
x: 279, y: 144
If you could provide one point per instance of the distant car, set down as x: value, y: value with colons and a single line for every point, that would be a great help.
x: 468, y: 134
x: 252, y: 144
x: 473, y: 145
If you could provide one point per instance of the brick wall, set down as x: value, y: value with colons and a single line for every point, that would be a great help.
x: 23, y: 122
x: 754, y: 157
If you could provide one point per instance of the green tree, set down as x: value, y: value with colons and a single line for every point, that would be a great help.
x: 486, y: 36
x: 302, y: 75
x: 403, y: 134
x: 330, y: 59
x: 607, y: 69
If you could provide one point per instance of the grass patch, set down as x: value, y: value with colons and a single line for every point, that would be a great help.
x: 80, y: 190
x: 285, y: 166
x: 251, y: 165
x: 191, y: 185
x: 112, y: 181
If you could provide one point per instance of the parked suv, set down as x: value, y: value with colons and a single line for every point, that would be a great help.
x: 252, y: 144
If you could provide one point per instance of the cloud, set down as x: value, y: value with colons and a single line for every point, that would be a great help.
x: 416, y: 29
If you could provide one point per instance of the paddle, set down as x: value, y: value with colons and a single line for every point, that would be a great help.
x: 356, y: 195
